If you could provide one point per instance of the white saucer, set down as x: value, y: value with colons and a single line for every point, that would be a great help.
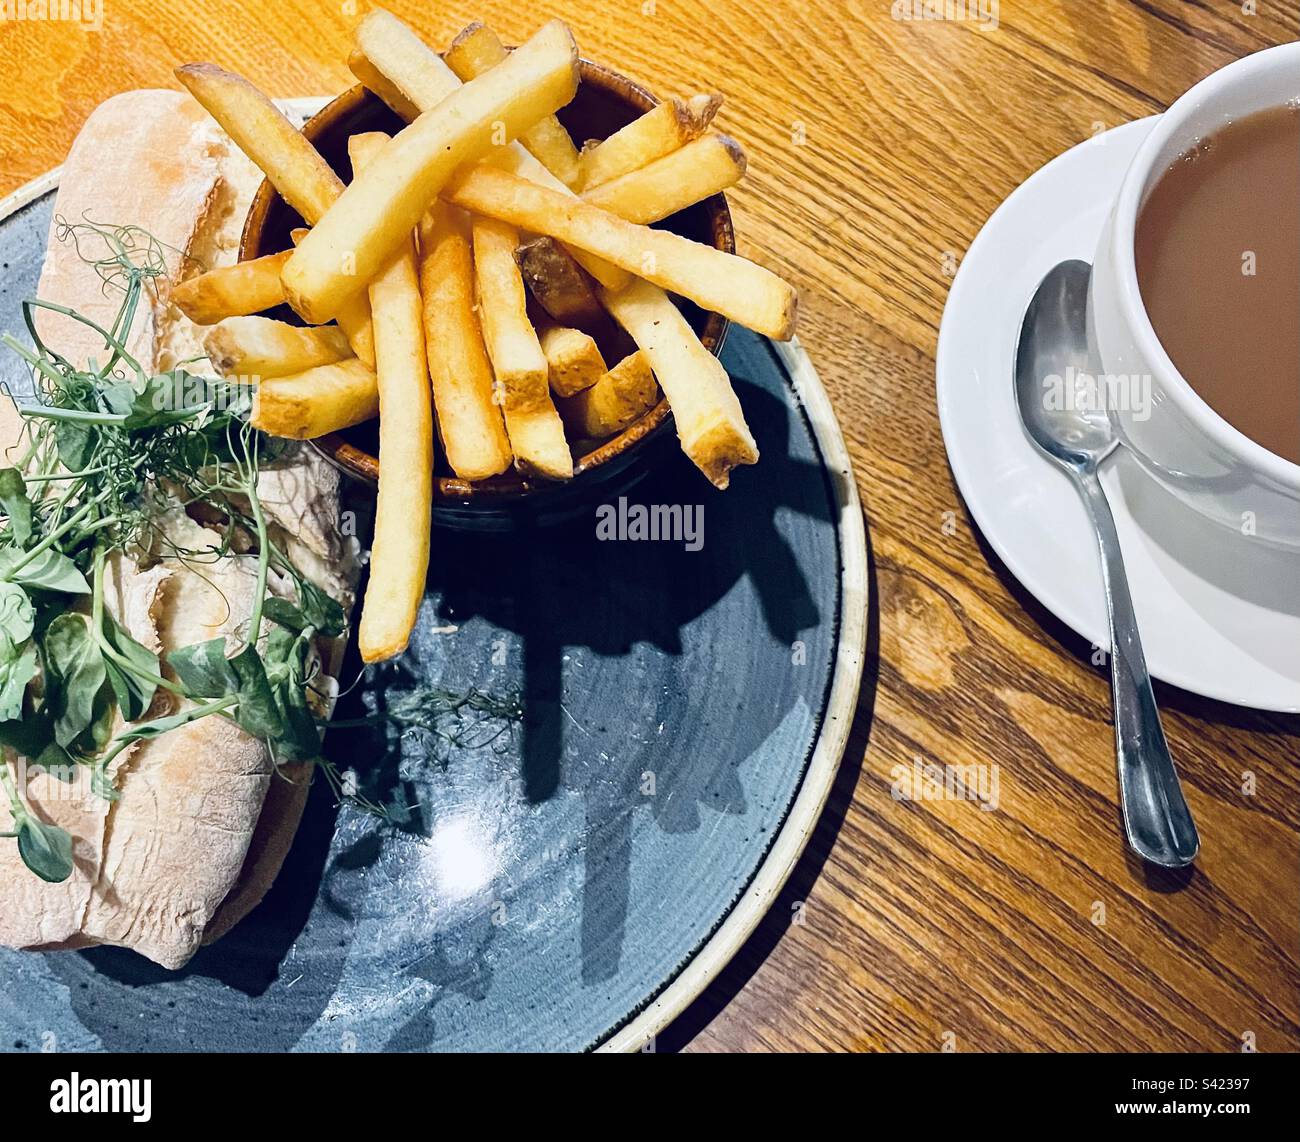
x: 1219, y: 614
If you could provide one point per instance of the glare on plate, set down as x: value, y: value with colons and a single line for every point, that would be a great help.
x: 460, y: 857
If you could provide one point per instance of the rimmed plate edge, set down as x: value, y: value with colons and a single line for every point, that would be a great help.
x: 837, y: 719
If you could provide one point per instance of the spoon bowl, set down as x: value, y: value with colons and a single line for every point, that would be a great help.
x: 1054, y: 379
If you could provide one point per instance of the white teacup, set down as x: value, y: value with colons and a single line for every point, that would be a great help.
x: 1178, y: 438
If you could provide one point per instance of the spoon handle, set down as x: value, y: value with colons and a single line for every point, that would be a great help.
x: 1156, y: 818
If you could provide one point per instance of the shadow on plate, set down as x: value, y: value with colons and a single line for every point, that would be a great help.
x: 563, y: 589
x: 764, y: 939
x: 548, y: 594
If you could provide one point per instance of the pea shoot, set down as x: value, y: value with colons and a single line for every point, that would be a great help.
x: 107, y: 452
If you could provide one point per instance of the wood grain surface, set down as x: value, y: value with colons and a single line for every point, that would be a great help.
x: 877, y: 149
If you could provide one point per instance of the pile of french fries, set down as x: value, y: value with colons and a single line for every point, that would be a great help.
x: 475, y: 277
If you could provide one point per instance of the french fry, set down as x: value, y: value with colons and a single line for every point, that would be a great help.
x: 533, y: 425
x: 399, y: 552
x: 662, y: 129
x: 710, y: 422
x: 624, y: 394
x: 328, y: 398
x: 553, y: 278
x: 703, y: 167
x: 295, y: 168
x: 419, y: 74
x: 470, y: 426
x: 385, y: 201
x: 738, y: 289
x: 573, y: 360
x: 353, y: 317
x: 476, y: 50
x: 304, y: 180
x: 254, y: 286
x: 232, y: 291
x: 372, y: 78
x: 394, y: 51
x: 261, y: 347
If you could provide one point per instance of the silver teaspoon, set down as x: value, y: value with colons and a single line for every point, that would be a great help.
x: 1053, y: 348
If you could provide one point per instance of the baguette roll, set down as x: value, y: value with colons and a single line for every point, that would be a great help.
x: 202, y: 821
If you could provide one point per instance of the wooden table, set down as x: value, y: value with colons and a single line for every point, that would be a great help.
x: 877, y: 149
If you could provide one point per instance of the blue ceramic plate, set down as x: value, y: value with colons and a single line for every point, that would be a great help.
x: 573, y: 879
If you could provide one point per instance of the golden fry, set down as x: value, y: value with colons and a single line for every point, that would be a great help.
x: 261, y: 347
x: 375, y: 80
x: 623, y: 395
x: 414, y: 69
x: 710, y: 422
x: 399, y: 552
x: 477, y: 49
x: 533, y: 425
x: 746, y: 293
x: 661, y: 130
x: 295, y: 168
x: 419, y: 74
x: 704, y: 167
x: 386, y: 200
x: 328, y: 398
x: 354, y: 319
x: 572, y: 358
x: 232, y: 291
x: 470, y: 426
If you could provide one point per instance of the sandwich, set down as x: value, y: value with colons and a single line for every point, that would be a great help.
x: 156, y: 828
